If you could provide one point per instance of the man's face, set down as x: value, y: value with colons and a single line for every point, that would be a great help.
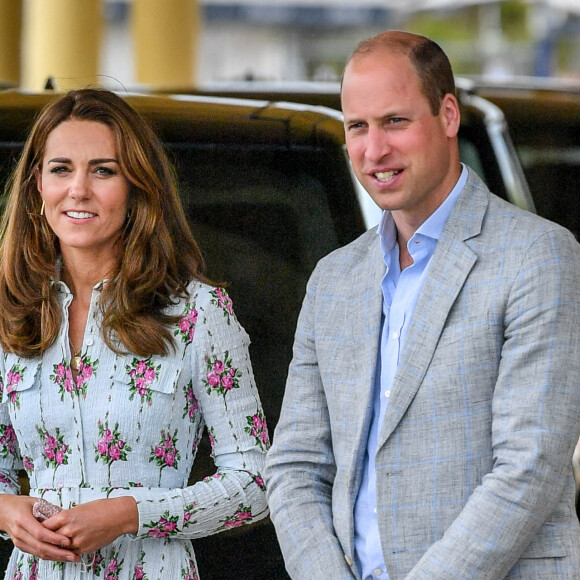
x: 404, y: 156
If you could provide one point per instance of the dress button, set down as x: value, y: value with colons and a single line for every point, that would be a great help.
x: 90, y: 342
x: 348, y: 559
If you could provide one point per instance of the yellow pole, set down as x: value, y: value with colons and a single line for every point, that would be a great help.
x: 10, y: 13
x: 165, y: 34
x: 61, y: 39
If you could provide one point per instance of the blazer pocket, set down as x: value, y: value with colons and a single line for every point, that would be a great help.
x: 546, y: 544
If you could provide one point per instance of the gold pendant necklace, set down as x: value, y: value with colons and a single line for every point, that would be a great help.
x: 75, y: 362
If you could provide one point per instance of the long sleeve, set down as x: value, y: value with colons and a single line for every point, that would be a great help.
x: 222, y: 388
x: 534, y: 427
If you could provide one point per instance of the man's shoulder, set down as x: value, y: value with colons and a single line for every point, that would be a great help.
x: 356, y: 252
x: 498, y: 215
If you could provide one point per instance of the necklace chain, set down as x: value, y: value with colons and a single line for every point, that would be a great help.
x: 76, y: 358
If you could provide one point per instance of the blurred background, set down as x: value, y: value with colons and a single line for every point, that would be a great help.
x: 175, y: 44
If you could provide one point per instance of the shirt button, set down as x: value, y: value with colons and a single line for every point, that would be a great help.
x: 377, y: 571
x: 375, y: 510
x: 395, y: 335
x: 387, y: 394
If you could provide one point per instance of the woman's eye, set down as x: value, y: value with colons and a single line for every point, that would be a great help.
x: 105, y: 171
x: 58, y: 169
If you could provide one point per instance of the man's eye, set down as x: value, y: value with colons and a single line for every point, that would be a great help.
x: 396, y: 120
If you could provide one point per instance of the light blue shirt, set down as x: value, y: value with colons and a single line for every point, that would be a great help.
x: 400, y: 295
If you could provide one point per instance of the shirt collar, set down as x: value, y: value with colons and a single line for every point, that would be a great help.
x: 432, y: 227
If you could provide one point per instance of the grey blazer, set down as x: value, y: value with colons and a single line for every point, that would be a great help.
x: 474, y: 471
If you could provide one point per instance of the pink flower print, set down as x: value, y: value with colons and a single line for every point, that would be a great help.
x: 241, y: 516
x: 143, y: 373
x: 221, y: 299
x: 87, y: 372
x: 8, y: 441
x: 28, y: 465
x: 188, y: 514
x: 139, y: 573
x: 257, y: 428
x: 165, y: 453
x: 186, y: 326
x: 227, y: 382
x: 32, y: 568
x: 67, y: 385
x: 191, y: 405
x: 13, y: 378
x: 113, y: 567
x: 5, y: 480
x: 216, y: 475
x: 110, y: 447
x: 54, y: 450
x: 213, y: 379
x: 191, y: 573
x: 222, y: 377
x: 166, y: 526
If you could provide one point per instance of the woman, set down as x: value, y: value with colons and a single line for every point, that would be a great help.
x: 116, y: 353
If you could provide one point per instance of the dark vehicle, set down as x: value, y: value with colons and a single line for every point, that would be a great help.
x: 268, y: 191
x: 543, y: 116
x: 484, y: 140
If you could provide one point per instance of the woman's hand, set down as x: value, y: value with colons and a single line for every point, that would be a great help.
x: 95, y: 524
x: 28, y: 534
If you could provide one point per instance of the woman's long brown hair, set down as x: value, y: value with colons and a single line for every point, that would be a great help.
x: 158, y: 256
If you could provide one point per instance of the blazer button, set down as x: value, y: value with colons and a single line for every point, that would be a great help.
x: 348, y: 560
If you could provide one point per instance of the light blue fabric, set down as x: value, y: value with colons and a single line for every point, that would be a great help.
x: 474, y: 455
x: 400, y: 295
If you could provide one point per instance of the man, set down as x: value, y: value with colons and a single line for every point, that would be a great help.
x: 433, y: 401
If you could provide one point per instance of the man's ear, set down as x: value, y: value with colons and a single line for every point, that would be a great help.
x: 450, y: 114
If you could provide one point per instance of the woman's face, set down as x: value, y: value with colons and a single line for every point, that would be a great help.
x: 83, y: 189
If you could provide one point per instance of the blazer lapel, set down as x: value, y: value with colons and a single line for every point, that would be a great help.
x: 449, y: 268
x: 361, y: 350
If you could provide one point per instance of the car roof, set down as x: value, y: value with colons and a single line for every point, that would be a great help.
x: 199, y: 118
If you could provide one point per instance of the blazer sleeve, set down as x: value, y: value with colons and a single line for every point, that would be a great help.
x: 300, y: 466
x: 535, y: 422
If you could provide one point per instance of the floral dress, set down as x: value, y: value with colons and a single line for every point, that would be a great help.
x: 130, y: 426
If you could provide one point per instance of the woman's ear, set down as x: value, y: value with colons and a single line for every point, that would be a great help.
x: 38, y: 178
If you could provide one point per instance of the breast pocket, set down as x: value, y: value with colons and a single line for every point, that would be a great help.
x: 21, y: 376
